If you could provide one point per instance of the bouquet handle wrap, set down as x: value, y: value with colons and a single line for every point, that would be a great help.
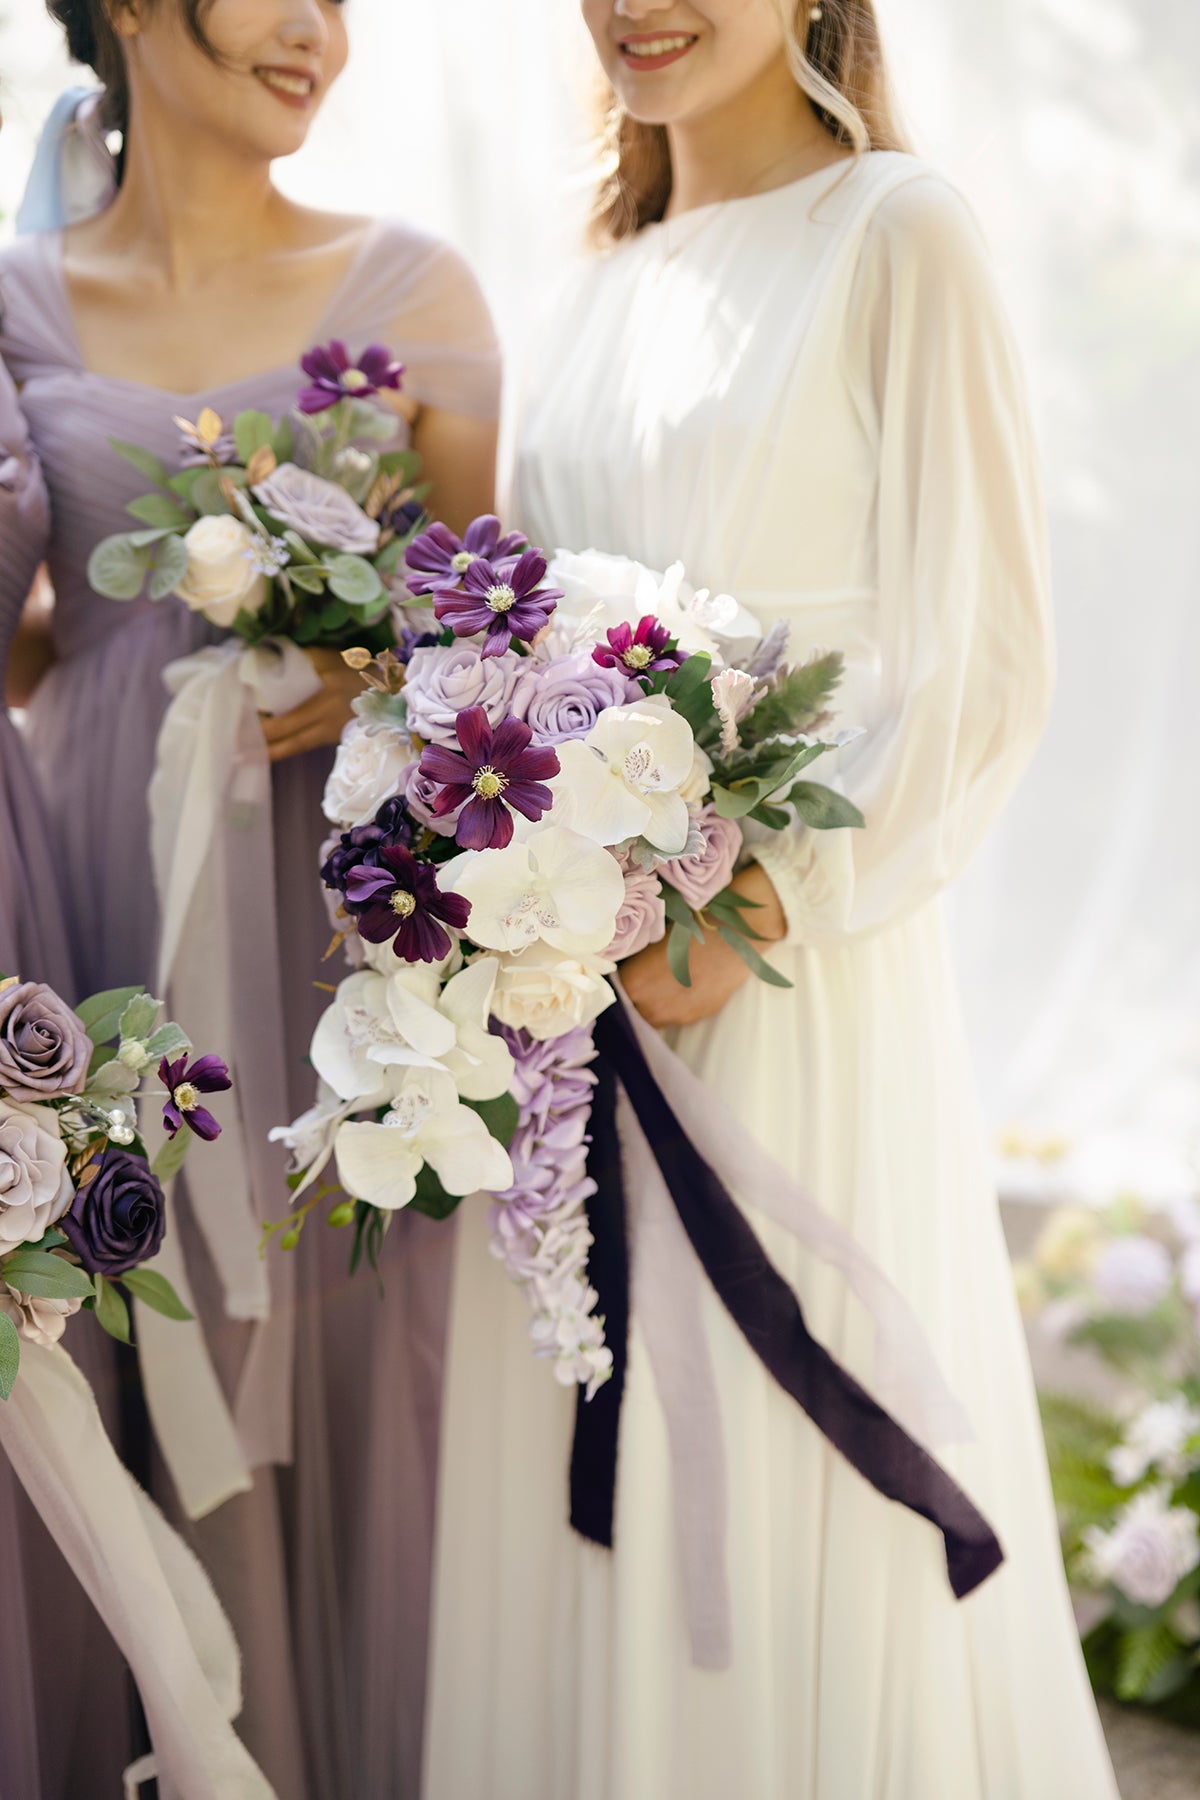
x: 143, y: 1580
x: 213, y: 853
x: 683, y: 1152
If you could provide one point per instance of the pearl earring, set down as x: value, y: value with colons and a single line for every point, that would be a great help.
x: 816, y: 14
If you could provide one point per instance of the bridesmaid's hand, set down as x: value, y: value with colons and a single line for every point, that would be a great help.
x: 717, y: 970
x: 320, y: 720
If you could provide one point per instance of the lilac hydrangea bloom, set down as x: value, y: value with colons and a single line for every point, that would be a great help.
x: 439, y: 559
x: 504, y: 600
x: 333, y: 376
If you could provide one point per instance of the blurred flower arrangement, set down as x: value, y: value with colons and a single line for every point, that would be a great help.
x: 81, y: 1206
x: 1123, y: 1286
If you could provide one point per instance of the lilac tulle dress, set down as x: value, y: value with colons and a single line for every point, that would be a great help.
x: 325, y: 1566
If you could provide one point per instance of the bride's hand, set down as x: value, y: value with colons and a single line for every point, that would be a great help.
x: 716, y: 969
x: 320, y: 720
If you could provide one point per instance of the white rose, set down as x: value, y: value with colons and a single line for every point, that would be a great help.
x: 38, y: 1321
x: 222, y: 580
x: 545, y: 993
x: 367, y: 770
x: 35, y: 1186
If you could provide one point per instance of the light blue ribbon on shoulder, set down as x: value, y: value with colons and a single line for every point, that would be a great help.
x: 74, y: 173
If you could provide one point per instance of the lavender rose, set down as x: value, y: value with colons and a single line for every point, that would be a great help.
x: 35, y: 1188
x: 117, y: 1221
x: 319, y: 510
x: 642, y: 919
x: 419, y: 794
x: 44, y: 1049
x: 444, y: 680
x: 563, y: 698
x: 701, y: 877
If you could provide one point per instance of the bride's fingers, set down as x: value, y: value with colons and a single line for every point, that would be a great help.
x: 276, y: 728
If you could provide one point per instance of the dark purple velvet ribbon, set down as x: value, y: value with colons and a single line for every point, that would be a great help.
x: 766, y: 1312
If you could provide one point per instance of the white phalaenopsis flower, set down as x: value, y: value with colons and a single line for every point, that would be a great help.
x: 480, y: 1062
x: 600, y: 591
x: 1165, y: 1436
x: 1149, y: 1550
x: 426, y: 1123
x: 624, y: 779
x: 555, y: 884
x: 733, y: 692
x: 359, y: 1038
x: 309, y: 1138
x: 547, y: 993
x: 370, y: 761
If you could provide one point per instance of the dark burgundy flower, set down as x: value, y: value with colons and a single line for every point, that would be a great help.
x: 118, y: 1218
x: 501, y: 598
x: 207, y: 1075
x: 497, y: 770
x: 643, y: 651
x: 436, y: 558
x: 391, y: 825
x: 399, y: 899
x: 335, y: 377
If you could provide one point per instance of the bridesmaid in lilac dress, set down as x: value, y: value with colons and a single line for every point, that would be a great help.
x: 201, y: 286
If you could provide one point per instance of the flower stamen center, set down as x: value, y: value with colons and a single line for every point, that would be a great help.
x: 187, y: 1097
x: 403, y: 904
x: 489, y: 783
x: 637, y: 656
x: 354, y: 381
x: 501, y: 598
x: 461, y: 562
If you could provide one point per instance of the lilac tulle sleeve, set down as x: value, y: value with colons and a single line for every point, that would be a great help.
x: 24, y: 510
x: 443, y: 330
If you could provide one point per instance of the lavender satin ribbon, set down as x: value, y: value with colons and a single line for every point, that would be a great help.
x: 768, y: 1314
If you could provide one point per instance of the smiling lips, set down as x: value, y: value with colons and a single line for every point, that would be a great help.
x: 295, y: 87
x: 647, y: 53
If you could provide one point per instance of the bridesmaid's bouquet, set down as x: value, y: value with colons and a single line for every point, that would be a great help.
x: 291, y: 529
x: 1123, y: 1288
x: 81, y: 1204
x: 550, y: 773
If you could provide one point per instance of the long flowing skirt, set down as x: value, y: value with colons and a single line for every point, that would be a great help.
x: 562, y: 1672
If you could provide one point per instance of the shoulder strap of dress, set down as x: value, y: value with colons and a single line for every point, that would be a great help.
x: 35, y: 321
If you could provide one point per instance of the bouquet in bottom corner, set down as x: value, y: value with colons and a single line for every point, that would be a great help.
x: 554, y: 770
x: 1121, y: 1287
x: 81, y: 1206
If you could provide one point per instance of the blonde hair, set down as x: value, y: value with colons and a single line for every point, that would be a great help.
x: 837, y: 60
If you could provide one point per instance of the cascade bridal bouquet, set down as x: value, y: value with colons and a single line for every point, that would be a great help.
x: 554, y: 770
x: 81, y: 1206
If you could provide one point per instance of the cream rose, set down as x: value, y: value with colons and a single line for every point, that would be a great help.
x: 545, y: 993
x: 222, y: 579
x: 370, y: 762
x: 38, y: 1321
x: 35, y: 1188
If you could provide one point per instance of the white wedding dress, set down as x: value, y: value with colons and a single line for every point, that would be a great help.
x: 811, y: 397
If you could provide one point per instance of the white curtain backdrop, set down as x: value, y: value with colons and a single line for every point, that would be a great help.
x: 1074, y: 127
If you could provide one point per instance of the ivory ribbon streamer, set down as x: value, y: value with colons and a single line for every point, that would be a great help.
x: 143, y: 1580
x: 213, y: 854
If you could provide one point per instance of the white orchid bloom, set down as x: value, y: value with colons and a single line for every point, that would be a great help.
x: 624, y: 779
x: 601, y: 591
x: 426, y: 1123
x: 376, y: 1022
x: 555, y: 884
x: 310, y: 1138
x: 480, y: 1062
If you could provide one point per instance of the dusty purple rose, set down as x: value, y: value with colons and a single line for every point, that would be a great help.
x: 321, y: 511
x: 419, y: 793
x: 701, y: 877
x: 44, y: 1049
x: 562, y: 699
x: 642, y: 919
x: 117, y: 1221
x: 443, y: 681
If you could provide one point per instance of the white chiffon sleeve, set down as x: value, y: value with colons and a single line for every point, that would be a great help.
x: 966, y: 648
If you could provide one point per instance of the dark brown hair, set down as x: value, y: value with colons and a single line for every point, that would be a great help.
x: 92, y: 39
x: 837, y: 60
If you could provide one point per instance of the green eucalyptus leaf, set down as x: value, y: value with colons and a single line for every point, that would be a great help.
x: 46, y: 1276
x: 137, y: 1021
x: 824, y: 810
x: 117, y: 568
x: 155, y: 1291
x: 168, y: 1040
x: 112, y: 1311
x: 301, y: 552
x: 737, y: 941
x: 354, y: 580
x: 161, y: 511
x: 169, y: 1161
x: 100, y: 1014
x: 113, y: 1080
x: 10, y: 1356
x: 142, y: 540
x: 206, y: 490
x: 182, y: 484
x: 309, y: 581
x: 170, y: 567
x: 680, y: 913
x: 251, y: 430
x: 144, y: 461
x: 283, y: 443
x: 679, y: 946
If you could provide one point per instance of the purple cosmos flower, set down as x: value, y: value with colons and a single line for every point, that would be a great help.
x: 207, y: 1075
x: 501, y: 598
x: 334, y: 377
x: 399, y: 900
x: 496, y: 770
x: 643, y: 651
x: 438, y: 559
x: 391, y: 825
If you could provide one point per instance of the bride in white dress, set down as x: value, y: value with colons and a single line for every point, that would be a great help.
x: 790, y: 369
